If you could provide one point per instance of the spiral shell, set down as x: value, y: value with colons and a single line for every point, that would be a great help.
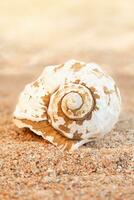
x: 69, y: 104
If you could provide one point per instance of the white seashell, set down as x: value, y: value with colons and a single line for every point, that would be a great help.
x: 69, y: 104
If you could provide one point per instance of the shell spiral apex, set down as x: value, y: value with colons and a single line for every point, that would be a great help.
x: 69, y: 104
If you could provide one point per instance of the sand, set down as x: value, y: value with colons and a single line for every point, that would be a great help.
x: 30, y: 167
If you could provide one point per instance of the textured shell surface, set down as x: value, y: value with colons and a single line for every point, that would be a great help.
x: 69, y: 104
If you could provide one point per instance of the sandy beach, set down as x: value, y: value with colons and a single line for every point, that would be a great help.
x: 51, y: 33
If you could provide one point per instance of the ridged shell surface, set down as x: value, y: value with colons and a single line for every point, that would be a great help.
x: 69, y: 104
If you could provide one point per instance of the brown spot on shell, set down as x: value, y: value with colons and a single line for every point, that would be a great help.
x: 76, y: 67
x: 67, y: 121
x: 36, y: 84
x: 64, y: 128
x: 93, y: 89
x: 77, y: 81
x: 96, y: 70
x: 66, y: 80
x: 46, y: 99
x: 98, y: 73
x: 116, y: 91
x: 58, y: 68
x: 77, y: 135
x: 95, y: 97
x: 108, y: 92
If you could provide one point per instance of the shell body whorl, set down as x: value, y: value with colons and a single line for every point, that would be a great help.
x: 74, y: 102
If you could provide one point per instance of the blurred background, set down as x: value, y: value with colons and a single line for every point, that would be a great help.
x: 36, y: 33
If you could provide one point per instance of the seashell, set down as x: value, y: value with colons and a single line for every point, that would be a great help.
x: 69, y: 104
